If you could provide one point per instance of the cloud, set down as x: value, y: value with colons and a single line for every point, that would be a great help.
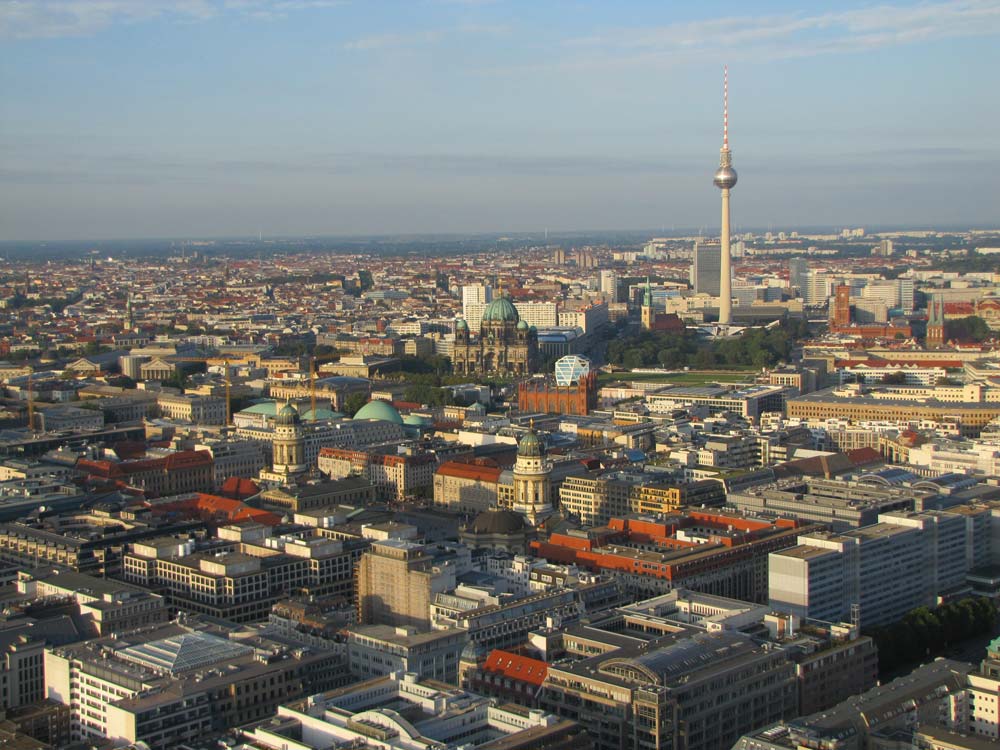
x: 30, y: 19
x: 791, y: 35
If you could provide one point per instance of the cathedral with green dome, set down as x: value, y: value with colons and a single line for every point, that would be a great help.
x: 505, y: 346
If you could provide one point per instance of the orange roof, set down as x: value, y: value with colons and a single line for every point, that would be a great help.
x: 469, y: 471
x: 239, y: 488
x: 517, y: 667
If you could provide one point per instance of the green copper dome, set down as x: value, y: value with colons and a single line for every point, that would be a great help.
x: 501, y: 309
x: 522, y: 326
x: 380, y: 410
x: 288, y: 414
x: 461, y: 325
x: 530, y: 446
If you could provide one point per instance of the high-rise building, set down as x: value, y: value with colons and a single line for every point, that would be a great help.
x: 798, y: 274
x: 475, y: 294
x: 397, y: 581
x: 725, y: 180
x: 882, y: 571
x: 706, y: 269
x: 609, y: 285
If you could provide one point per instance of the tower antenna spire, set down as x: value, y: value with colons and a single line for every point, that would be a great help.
x: 725, y: 107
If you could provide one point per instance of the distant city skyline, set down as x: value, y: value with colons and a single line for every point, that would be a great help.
x: 210, y: 118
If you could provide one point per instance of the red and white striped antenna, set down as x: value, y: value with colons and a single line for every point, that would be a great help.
x: 725, y: 108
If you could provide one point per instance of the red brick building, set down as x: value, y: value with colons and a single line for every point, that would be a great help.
x: 543, y: 395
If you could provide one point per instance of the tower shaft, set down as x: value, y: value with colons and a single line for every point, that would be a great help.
x: 725, y: 266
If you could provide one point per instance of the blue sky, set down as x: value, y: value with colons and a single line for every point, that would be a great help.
x: 164, y: 118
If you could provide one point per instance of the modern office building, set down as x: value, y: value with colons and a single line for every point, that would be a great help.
x: 381, y: 650
x: 706, y: 269
x: 178, y: 683
x: 840, y: 504
x: 403, y: 712
x: 876, y: 574
x: 691, y: 691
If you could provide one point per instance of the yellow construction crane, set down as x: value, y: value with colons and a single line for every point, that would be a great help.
x: 31, y: 404
x: 312, y: 387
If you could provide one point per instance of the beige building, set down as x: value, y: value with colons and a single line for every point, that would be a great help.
x: 397, y: 581
x: 466, y: 487
x: 969, y: 407
x: 186, y: 407
x: 394, y: 476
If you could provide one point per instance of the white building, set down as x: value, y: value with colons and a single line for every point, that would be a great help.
x: 475, y: 294
x: 880, y: 572
x: 401, y: 712
x: 381, y: 650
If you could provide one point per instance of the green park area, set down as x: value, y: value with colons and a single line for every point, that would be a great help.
x: 694, y: 377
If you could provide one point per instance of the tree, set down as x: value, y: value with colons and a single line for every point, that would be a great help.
x: 894, y: 378
x: 971, y: 328
x: 354, y: 402
x: 632, y: 359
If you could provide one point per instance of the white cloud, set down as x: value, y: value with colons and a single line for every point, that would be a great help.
x: 26, y: 19
x: 793, y: 35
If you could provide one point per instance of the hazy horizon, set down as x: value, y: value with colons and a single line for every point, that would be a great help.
x: 331, y: 118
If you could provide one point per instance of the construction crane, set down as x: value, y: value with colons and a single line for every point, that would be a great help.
x: 312, y: 387
x: 31, y: 404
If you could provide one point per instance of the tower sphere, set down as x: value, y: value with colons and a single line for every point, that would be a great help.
x: 725, y: 177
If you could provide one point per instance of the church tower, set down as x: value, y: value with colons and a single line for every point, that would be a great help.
x: 289, y: 443
x: 935, y: 322
x: 532, y: 479
x: 648, y: 317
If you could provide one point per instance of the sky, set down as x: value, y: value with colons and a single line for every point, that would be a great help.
x: 199, y: 118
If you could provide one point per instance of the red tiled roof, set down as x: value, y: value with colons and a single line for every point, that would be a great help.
x: 517, y: 667
x: 239, y: 488
x: 864, y: 456
x: 469, y: 471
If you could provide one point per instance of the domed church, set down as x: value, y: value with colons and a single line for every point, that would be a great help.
x: 506, y: 345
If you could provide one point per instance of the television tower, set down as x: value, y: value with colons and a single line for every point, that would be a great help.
x: 725, y: 179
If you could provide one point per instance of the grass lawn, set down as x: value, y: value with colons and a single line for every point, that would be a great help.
x: 681, y: 378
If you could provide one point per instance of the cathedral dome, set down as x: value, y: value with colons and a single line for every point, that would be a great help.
x: 497, y: 522
x: 461, y: 325
x: 379, y: 410
x: 501, y: 309
x: 522, y: 326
